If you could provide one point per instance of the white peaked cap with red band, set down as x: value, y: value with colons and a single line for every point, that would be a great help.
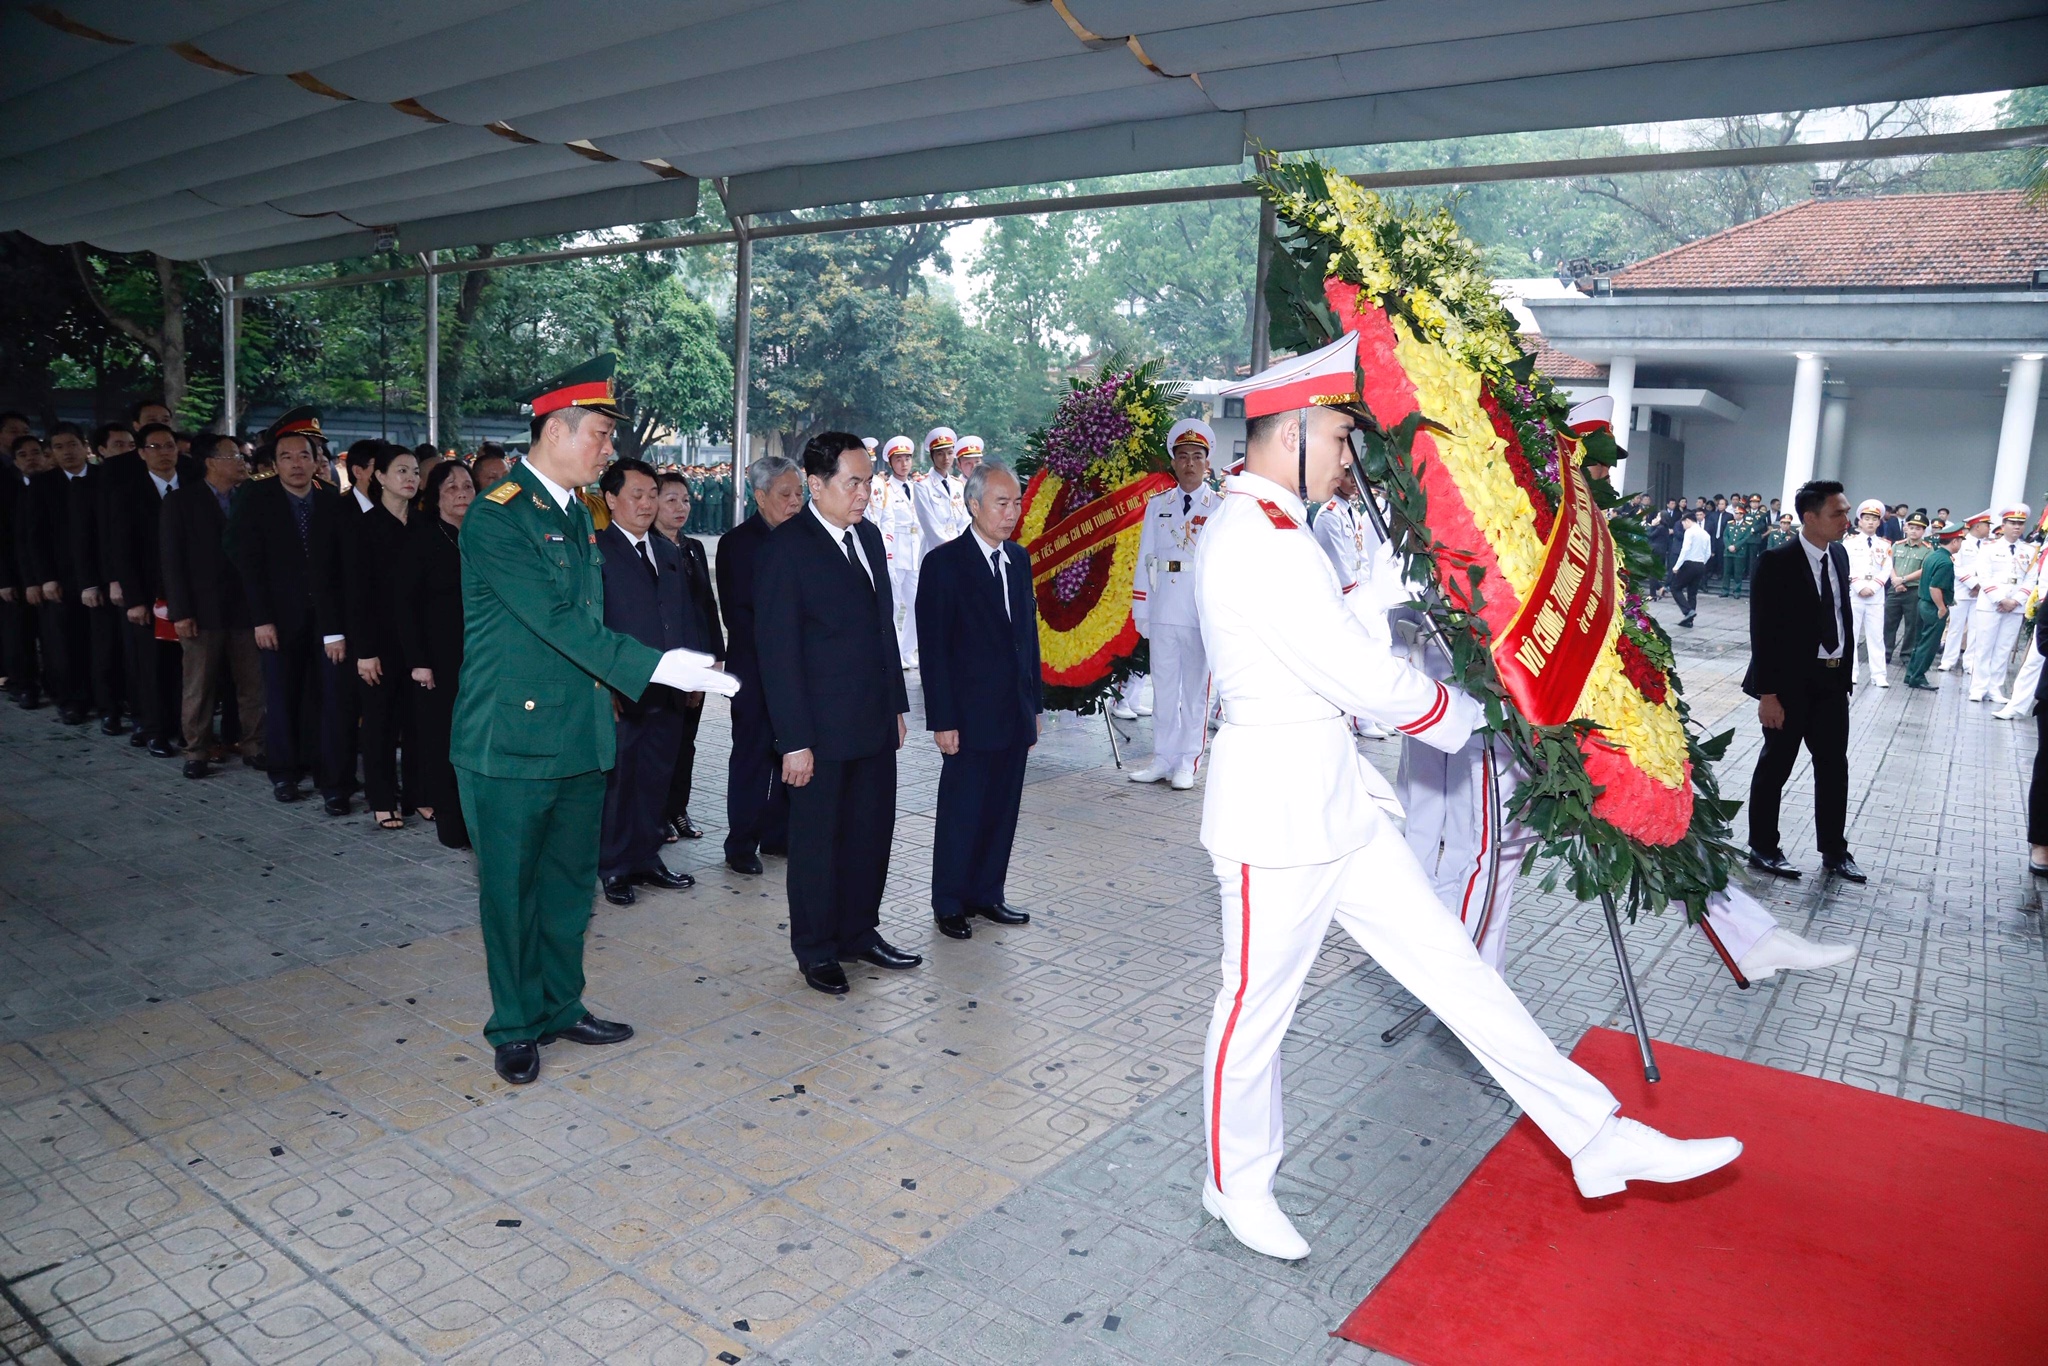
x: 1191, y: 429
x: 898, y: 444
x: 1871, y: 505
x: 1593, y: 415
x: 1983, y: 516
x: 2015, y: 512
x: 938, y: 436
x: 1326, y: 375
x: 967, y: 445
x: 869, y: 442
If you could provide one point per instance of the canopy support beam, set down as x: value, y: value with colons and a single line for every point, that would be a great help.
x: 742, y: 349
x: 433, y: 348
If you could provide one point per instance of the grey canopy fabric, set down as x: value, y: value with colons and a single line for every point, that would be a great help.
x: 262, y: 133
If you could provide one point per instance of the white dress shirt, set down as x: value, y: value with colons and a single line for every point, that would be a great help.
x: 555, y: 491
x: 992, y: 555
x: 163, y: 485
x: 839, y: 535
x: 638, y: 541
x: 1821, y: 565
x: 1698, y: 547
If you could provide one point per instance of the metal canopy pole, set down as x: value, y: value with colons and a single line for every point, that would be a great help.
x: 1269, y: 224
x: 427, y: 259
x: 742, y: 343
x: 230, y: 318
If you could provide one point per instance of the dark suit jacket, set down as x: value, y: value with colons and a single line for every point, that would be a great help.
x: 979, y: 665
x: 430, y: 598
x: 278, y: 571
x: 1715, y: 524
x: 11, y: 491
x: 368, y: 588
x: 651, y: 610
x: 42, y: 531
x: 1892, y: 529
x: 1785, y: 621
x: 200, y: 581
x: 739, y: 553
x: 700, y: 606
x: 133, y: 552
x: 826, y: 638
x: 87, y: 509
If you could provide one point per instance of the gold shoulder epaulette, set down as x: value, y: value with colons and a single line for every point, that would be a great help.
x: 505, y: 492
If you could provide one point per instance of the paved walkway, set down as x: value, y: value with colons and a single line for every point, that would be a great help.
x: 246, y: 1113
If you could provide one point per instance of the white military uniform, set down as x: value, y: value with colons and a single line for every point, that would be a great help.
x: 1870, y: 569
x: 1961, y: 610
x: 941, y: 498
x: 2029, y: 679
x: 2002, y: 569
x: 1299, y: 827
x: 1163, y: 609
x: 892, y: 508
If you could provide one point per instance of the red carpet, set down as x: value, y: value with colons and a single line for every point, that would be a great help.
x: 1854, y: 1228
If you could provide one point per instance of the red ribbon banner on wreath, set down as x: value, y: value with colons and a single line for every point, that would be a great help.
x: 1093, y: 525
x: 1549, y: 649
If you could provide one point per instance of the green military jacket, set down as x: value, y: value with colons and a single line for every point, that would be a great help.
x: 1908, y: 556
x: 538, y: 662
x: 1938, y: 570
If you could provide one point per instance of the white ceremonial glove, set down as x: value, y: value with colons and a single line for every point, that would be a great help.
x: 689, y: 671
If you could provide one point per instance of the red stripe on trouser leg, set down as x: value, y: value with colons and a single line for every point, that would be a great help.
x: 1244, y: 953
x: 1478, y: 864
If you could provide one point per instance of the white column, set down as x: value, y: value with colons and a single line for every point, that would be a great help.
x: 433, y: 282
x: 229, y: 344
x: 1834, y: 436
x: 1804, y: 440
x: 2016, y: 433
x: 1621, y: 386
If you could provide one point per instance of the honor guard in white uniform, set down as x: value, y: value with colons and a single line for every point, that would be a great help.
x: 967, y: 452
x: 1299, y: 827
x: 1975, y: 532
x: 2029, y: 679
x: 1163, y: 608
x: 2000, y: 567
x: 941, y: 495
x: 1870, y: 569
x: 892, y: 508
x: 1363, y: 564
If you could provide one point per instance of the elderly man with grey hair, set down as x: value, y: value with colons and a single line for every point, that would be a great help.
x: 756, y: 802
x: 977, y: 631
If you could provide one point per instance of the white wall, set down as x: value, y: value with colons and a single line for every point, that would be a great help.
x: 1927, y: 447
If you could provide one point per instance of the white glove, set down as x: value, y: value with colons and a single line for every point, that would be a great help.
x: 690, y: 671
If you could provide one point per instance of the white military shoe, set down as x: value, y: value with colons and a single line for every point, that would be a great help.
x: 1783, y: 950
x: 1625, y: 1151
x: 1150, y: 773
x: 1183, y: 777
x: 1122, y: 711
x: 1260, y: 1224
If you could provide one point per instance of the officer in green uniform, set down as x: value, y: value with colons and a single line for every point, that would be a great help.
x: 1781, y: 534
x: 1937, y: 597
x: 1902, y: 599
x: 533, y: 730
x: 1739, y: 542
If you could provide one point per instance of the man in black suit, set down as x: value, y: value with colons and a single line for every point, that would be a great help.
x: 64, y: 620
x: 700, y: 619
x: 1801, y: 642
x: 285, y: 536
x: 208, y: 608
x: 756, y: 802
x: 17, y: 621
x: 977, y: 632
x: 110, y: 670
x: 825, y: 627
x: 134, y: 555
x: 643, y: 598
x: 1715, y: 522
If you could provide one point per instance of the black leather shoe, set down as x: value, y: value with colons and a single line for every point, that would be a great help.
x: 661, y: 876
x: 29, y: 701
x: 285, y: 790
x: 197, y: 768
x: 619, y: 891
x: 750, y: 865
x: 112, y: 726
x: 74, y: 716
x: 137, y: 738
x: 162, y: 749
x: 1845, y: 868
x: 687, y: 828
x: 882, y: 955
x: 1923, y: 687
x: 337, y: 805
x: 954, y: 926
x: 776, y: 851
x: 591, y: 1030
x: 1001, y: 914
x: 517, y: 1062
x: 829, y: 978
x: 1773, y: 863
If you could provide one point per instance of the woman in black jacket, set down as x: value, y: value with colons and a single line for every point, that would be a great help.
x: 2037, y: 792
x: 373, y: 599
x: 430, y: 622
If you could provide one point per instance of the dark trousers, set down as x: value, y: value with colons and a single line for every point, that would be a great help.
x: 979, y: 790
x: 2037, y: 792
x: 70, y: 622
x: 756, y: 802
x: 18, y: 647
x: 433, y: 711
x: 1685, y: 586
x: 302, y: 712
x: 840, y: 825
x: 1901, y: 623
x: 1817, y: 716
x: 636, y: 791
x: 536, y: 867
x: 686, y: 763
x: 1926, y: 644
x: 109, y: 660
x: 159, y: 678
x: 387, y: 729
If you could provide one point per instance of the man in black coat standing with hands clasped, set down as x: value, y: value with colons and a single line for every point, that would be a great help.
x: 756, y: 802
x: 825, y: 628
x: 1801, y: 642
x: 977, y: 631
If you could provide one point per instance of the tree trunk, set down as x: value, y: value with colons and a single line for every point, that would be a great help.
x: 455, y: 347
x: 170, y: 357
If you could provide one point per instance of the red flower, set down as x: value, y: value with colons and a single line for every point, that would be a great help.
x: 1646, y: 676
x: 1525, y: 474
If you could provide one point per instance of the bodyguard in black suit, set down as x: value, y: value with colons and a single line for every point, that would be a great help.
x: 643, y: 598
x: 825, y: 626
x: 284, y: 534
x: 977, y: 631
x: 1802, y: 642
x: 756, y: 802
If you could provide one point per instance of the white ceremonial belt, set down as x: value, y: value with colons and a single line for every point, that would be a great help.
x: 1278, y: 711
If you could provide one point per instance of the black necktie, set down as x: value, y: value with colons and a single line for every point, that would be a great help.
x: 302, y: 514
x: 648, y: 560
x: 853, y: 559
x: 1830, y: 633
x: 995, y: 564
x: 1187, y: 503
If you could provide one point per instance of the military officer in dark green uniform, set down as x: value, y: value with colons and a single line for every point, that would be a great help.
x: 1902, y: 602
x: 533, y: 733
x: 1743, y: 539
x: 1937, y: 601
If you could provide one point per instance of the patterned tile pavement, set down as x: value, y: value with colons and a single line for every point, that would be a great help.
x: 246, y: 1113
